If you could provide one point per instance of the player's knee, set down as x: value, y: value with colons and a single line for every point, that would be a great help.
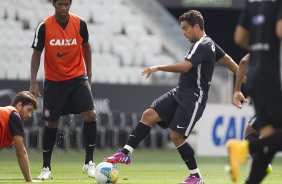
x: 266, y: 131
x: 176, y: 138
x: 150, y: 117
x: 89, y: 116
x: 249, y: 131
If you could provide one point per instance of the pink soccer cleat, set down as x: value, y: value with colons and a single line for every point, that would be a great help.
x: 119, y: 158
x: 193, y: 179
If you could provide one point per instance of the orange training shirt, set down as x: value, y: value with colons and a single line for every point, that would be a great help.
x: 6, y: 138
x: 63, y: 57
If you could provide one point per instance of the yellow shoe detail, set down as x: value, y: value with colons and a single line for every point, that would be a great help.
x: 238, y: 151
x: 269, y: 169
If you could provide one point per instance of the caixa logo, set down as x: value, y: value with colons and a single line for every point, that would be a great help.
x: 228, y: 127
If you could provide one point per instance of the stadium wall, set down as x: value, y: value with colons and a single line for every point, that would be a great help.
x: 219, y: 122
x: 126, y: 98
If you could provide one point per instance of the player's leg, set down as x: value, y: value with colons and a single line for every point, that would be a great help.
x: 258, y: 167
x: 161, y: 109
x: 188, y: 156
x: 252, y: 134
x: 268, y: 115
x: 89, y: 133
x: 53, y: 103
x: 264, y: 149
x: 180, y: 127
x: 265, y: 146
x: 142, y: 130
x: 257, y: 170
x: 82, y: 102
x: 49, y: 139
x: 268, y: 120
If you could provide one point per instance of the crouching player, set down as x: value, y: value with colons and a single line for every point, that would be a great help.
x: 11, y: 127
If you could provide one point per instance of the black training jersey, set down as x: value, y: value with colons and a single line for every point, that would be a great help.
x: 39, y: 37
x: 16, y: 125
x: 259, y: 18
x: 203, y: 54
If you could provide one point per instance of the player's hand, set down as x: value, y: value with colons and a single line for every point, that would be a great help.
x: 148, y: 71
x: 238, y: 98
x: 34, y: 89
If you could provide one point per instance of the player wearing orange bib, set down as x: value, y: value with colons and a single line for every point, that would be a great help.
x: 67, y: 85
x: 11, y: 127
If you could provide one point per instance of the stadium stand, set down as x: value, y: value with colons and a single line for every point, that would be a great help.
x: 122, y: 43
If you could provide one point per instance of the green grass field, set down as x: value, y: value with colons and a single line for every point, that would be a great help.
x: 148, y: 167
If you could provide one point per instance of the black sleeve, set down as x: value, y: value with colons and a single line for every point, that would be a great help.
x: 279, y: 10
x: 197, y: 54
x: 15, y: 124
x: 243, y: 20
x: 219, y: 53
x: 39, y: 37
x: 84, y: 31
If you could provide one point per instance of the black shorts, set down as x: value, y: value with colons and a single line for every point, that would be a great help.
x: 254, y: 123
x: 176, y: 117
x: 268, y: 106
x: 66, y: 97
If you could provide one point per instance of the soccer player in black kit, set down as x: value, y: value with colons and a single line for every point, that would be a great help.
x: 260, y: 31
x: 180, y: 108
x: 252, y: 129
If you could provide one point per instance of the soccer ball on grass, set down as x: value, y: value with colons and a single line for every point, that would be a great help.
x: 106, y: 173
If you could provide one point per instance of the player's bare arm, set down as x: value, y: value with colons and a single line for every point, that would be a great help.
x: 35, y: 63
x: 279, y: 28
x: 241, y: 36
x: 88, y: 60
x: 182, y: 67
x: 238, y: 97
x: 228, y: 62
x: 22, y: 157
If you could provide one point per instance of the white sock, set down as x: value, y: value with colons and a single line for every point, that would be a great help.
x: 195, y: 171
x: 129, y: 148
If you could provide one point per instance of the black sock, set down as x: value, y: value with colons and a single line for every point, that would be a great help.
x: 137, y: 135
x: 49, y: 139
x: 188, y: 156
x: 251, y: 138
x: 267, y: 144
x: 89, y: 132
x: 258, y: 167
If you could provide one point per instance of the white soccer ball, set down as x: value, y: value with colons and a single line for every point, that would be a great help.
x: 106, y: 173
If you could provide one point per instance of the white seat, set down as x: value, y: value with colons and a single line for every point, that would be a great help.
x: 150, y: 44
x: 12, y: 73
x: 135, y: 29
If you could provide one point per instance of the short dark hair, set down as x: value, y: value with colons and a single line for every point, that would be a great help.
x: 26, y: 98
x: 193, y: 17
x: 56, y: 1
